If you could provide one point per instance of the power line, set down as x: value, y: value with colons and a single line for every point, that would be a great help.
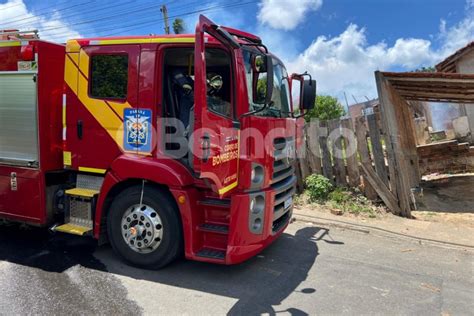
x: 116, y: 14
x: 12, y: 6
x: 96, y: 10
x: 118, y: 23
x: 139, y: 25
x: 45, y: 9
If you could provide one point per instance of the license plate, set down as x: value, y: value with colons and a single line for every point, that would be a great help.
x: 288, y: 202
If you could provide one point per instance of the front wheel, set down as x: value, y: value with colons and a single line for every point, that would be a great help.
x: 146, y: 234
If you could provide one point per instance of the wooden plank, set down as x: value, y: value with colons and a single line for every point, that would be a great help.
x: 458, y: 96
x: 313, y: 151
x: 337, y: 152
x: 352, y: 163
x: 391, y: 119
x: 441, y: 100
x: 377, y: 150
x: 302, y: 162
x: 387, y: 197
x: 411, y: 153
x: 326, y: 156
x: 361, y: 135
x: 447, y: 81
x: 299, y: 179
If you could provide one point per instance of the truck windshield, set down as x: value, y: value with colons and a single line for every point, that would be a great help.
x: 280, y: 105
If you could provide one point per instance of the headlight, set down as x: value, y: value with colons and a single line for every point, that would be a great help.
x: 256, y: 213
x: 256, y: 175
x: 257, y: 204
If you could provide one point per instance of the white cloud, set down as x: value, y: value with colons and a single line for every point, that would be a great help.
x: 286, y: 14
x: 346, y: 63
x: 14, y: 14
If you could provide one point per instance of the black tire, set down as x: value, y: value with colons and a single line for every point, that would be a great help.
x: 172, y: 240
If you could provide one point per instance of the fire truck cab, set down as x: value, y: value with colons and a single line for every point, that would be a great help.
x: 160, y: 145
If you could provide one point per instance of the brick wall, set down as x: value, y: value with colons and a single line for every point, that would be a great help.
x: 446, y: 157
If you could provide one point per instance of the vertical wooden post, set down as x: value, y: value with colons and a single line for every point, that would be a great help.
x: 326, y: 155
x: 361, y: 134
x: 352, y: 164
x: 302, y: 163
x: 313, y: 152
x: 377, y: 150
x: 336, y: 144
x: 392, y: 118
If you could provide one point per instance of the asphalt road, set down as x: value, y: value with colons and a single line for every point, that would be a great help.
x: 309, y: 270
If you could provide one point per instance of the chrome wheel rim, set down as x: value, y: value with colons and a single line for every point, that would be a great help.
x: 142, y: 229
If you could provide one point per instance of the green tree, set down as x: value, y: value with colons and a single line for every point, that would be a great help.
x: 178, y: 26
x: 326, y: 108
x: 426, y: 69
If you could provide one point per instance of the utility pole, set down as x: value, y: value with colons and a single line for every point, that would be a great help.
x: 164, y: 10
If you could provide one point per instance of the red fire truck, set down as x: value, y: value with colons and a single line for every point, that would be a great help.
x: 160, y: 145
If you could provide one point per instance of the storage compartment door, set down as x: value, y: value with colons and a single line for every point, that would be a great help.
x: 18, y: 119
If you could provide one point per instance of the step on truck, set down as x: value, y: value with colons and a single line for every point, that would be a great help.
x: 159, y: 145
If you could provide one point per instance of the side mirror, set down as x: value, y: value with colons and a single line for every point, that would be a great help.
x: 303, y: 92
x: 308, y: 94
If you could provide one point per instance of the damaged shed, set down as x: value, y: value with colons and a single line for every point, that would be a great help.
x: 396, y: 93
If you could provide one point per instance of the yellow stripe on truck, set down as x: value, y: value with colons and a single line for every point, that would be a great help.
x: 9, y: 43
x: 70, y: 74
x: 143, y: 41
x: 99, y: 109
x: 92, y: 170
x: 72, y: 46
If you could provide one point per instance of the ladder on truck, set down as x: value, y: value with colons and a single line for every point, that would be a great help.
x: 12, y: 35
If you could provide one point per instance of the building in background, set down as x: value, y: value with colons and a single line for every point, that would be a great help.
x: 462, y: 62
x: 362, y: 109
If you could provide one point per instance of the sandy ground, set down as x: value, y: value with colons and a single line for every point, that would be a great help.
x: 457, y: 228
x: 447, y: 193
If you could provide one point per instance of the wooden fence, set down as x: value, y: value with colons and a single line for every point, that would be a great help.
x: 350, y: 156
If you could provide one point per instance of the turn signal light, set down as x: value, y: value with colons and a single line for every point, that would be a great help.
x: 28, y: 53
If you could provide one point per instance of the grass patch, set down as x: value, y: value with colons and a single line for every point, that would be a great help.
x: 320, y: 191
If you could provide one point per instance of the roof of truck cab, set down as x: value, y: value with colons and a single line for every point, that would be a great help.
x: 74, y: 45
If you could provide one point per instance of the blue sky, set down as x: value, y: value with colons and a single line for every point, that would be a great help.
x: 340, y: 41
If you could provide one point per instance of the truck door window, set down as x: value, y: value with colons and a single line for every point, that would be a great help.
x: 219, y: 88
x: 109, y: 76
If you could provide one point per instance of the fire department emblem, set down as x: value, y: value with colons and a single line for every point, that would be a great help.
x: 137, y: 127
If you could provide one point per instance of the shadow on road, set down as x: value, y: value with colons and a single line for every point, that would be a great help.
x: 258, y: 284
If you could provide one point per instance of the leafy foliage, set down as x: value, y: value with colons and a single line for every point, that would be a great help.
x: 326, y: 108
x: 351, y: 202
x: 426, y: 69
x: 178, y: 26
x: 318, y: 187
x: 261, y: 88
x: 109, y: 76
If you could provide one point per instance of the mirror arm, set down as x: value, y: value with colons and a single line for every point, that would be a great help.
x: 299, y: 115
x: 254, y: 112
x: 223, y: 32
x: 269, y: 79
x: 257, y: 45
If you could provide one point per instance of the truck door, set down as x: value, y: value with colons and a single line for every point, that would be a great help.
x: 216, y: 133
x: 107, y: 90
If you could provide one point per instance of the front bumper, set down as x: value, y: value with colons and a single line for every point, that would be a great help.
x: 244, y: 242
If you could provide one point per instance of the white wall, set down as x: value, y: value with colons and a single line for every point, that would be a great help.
x: 465, y: 65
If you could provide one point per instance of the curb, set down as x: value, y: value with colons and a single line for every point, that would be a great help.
x: 371, y: 229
